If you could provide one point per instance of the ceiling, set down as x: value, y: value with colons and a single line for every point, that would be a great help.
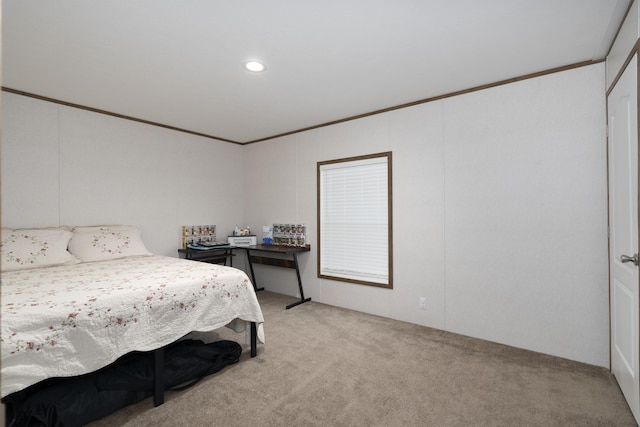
x: 179, y: 62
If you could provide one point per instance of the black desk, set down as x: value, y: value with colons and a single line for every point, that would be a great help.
x: 292, y: 251
x: 217, y: 255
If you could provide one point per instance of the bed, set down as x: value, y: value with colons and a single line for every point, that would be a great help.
x: 74, y: 301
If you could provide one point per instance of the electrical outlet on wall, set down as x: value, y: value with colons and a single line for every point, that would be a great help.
x: 422, y: 303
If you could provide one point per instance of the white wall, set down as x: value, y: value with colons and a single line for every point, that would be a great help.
x: 500, y: 215
x: 65, y: 166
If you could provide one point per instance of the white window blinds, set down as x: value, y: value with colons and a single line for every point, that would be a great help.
x: 354, y: 210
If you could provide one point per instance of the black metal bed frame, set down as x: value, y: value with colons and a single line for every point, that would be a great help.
x: 158, y: 388
x: 158, y: 358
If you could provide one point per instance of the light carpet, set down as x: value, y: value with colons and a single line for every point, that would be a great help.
x: 327, y: 366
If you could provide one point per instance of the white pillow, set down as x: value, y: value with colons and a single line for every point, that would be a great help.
x: 106, y: 242
x: 26, y: 248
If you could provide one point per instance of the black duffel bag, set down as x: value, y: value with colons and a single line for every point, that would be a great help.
x: 79, y: 400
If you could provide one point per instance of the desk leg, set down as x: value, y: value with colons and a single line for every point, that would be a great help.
x: 253, y: 276
x: 302, y: 298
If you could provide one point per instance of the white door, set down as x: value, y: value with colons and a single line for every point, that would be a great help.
x: 622, y: 106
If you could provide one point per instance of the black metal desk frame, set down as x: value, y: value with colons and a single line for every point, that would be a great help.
x: 293, y: 251
x: 216, y: 255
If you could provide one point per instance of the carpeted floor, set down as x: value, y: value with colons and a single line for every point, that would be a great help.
x: 327, y: 366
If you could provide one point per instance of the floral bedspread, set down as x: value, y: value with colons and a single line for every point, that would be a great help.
x: 70, y: 320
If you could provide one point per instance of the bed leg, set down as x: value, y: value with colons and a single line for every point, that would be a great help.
x: 158, y: 385
x: 254, y: 339
x: 7, y: 414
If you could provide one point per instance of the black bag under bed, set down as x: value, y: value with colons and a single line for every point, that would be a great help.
x: 76, y: 401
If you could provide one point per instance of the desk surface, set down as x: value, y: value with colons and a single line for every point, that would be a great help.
x: 276, y: 248
x: 265, y: 248
x: 204, y: 251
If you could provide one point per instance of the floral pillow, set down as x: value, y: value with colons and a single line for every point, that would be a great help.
x: 26, y: 248
x: 105, y: 242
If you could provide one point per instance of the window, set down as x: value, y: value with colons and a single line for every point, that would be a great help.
x: 354, y: 220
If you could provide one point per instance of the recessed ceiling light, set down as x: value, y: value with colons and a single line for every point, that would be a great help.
x: 255, y: 66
